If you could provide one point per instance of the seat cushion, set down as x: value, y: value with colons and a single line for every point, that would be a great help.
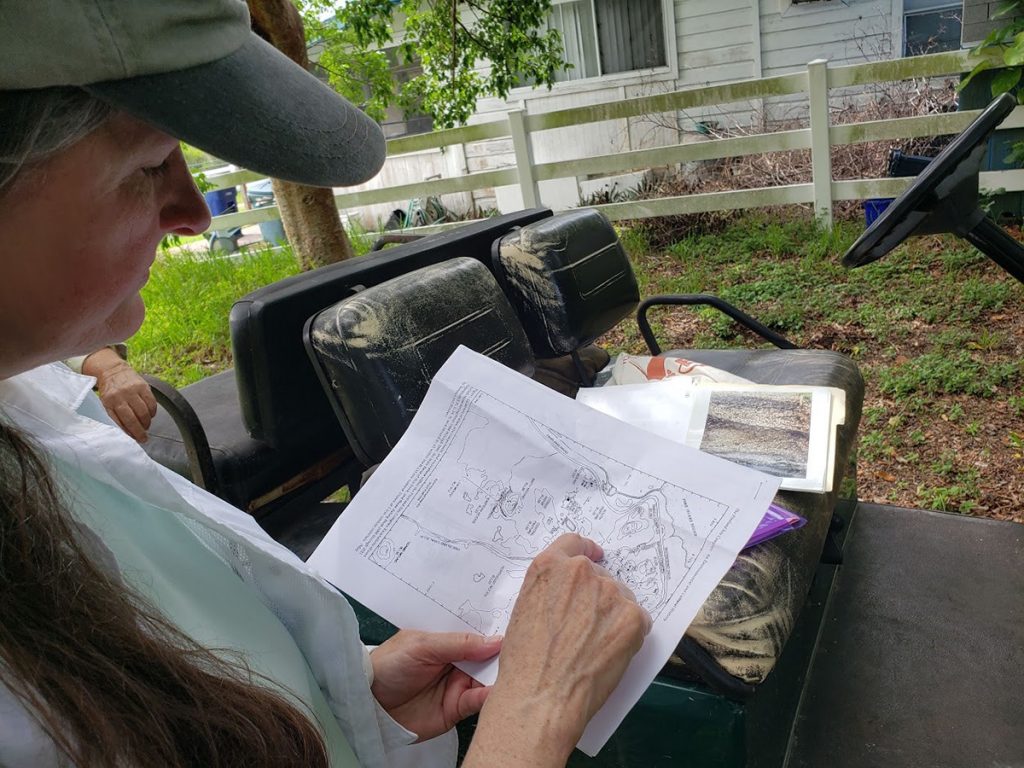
x: 377, y: 352
x: 568, y: 278
x: 747, y: 619
x: 246, y: 468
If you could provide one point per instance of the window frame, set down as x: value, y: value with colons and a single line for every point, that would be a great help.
x: 938, y: 8
x: 669, y: 71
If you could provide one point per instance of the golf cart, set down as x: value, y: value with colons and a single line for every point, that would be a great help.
x: 871, y: 636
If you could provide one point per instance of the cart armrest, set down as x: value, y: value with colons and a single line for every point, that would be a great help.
x: 691, y: 299
x: 396, y: 238
x: 197, y: 446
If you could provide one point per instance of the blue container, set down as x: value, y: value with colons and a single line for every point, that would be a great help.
x: 873, y: 208
x: 273, y: 232
x: 222, y: 201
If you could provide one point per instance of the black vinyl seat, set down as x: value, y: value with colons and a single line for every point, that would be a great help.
x: 568, y: 278
x: 265, y: 437
x: 376, y: 352
x: 571, y: 281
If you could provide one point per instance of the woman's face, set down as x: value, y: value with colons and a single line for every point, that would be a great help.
x: 78, y: 234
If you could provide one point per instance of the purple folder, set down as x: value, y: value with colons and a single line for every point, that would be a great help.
x: 775, y: 521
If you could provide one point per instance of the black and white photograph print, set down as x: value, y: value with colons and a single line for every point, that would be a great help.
x: 769, y: 431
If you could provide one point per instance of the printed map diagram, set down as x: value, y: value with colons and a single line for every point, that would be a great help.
x: 484, y: 501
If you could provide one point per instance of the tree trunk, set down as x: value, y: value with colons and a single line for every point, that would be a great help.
x: 309, y: 215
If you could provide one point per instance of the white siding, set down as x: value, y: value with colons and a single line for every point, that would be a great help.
x: 847, y: 32
x: 841, y: 31
x: 715, y: 40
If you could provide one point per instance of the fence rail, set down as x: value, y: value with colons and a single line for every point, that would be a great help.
x: 817, y: 82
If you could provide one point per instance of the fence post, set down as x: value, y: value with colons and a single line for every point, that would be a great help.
x: 821, y: 156
x: 524, y: 158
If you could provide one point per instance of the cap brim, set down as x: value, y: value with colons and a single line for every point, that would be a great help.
x: 258, y: 109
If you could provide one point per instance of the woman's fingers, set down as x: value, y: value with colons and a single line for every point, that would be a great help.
x: 141, y: 410
x: 149, y: 401
x: 449, y: 647
x: 573, y: 631
x: 125, y: 416
x: 472, y: 700
x: 572, y: 545
x: 625, y: 590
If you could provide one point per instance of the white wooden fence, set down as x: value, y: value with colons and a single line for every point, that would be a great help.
x: 816, y: 83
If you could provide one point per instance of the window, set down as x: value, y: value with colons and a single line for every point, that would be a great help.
x: 603, y: 37
x: 930, y: 27
x: 398, y: 122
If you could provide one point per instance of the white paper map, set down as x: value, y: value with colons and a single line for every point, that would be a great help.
x: 493, y: 469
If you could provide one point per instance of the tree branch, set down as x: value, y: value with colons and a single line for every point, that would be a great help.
x: 487, y: 11
x: 474, y: 38
x: 455, y: 45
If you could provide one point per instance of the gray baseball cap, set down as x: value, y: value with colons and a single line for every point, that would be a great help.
x: 194, y: 69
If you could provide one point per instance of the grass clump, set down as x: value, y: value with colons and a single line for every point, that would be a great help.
x: 955, y: 373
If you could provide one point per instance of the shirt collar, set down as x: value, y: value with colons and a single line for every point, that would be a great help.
x: 56, y: 382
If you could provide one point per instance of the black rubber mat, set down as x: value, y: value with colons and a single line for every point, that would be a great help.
x: 921, y: 657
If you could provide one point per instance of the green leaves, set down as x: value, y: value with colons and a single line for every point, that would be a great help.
x: 466, y: 50
x: 1005, y: 80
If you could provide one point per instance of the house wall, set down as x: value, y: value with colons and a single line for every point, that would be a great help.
x: 847, y: 32
x: 979, y: 18
x: 715, y: 41
x: 841, y: 31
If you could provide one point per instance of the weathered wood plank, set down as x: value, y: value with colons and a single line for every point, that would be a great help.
x: 420, y: 189
x: 684, y: 99
x: 863, y: 189
x: 931, y: 65
x: 234, y: 179
x: 712, y: 201
x: 682, y: 153
x: 490, y: 130
x: 914, y: 127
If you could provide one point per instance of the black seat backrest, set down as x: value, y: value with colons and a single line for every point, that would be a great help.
x: 568, y: 278
x: 281, y: 399
x: 376, y: 352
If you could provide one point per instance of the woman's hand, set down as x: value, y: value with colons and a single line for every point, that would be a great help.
x: 125, y: 395
x: 573, y: 632
x: 415, y: 682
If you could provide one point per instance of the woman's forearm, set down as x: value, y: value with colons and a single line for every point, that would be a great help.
x: 511, y: 739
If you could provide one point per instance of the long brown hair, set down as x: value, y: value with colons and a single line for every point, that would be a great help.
x: 111, y: 681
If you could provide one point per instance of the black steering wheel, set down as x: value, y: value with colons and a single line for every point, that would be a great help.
x: 944, y: 198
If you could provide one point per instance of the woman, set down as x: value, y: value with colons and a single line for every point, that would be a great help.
x: 146, y: 622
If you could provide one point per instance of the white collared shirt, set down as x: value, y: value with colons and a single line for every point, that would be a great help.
x: 58, y: 409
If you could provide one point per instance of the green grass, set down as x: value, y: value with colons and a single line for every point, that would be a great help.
x: 950, y: 371
x: 188, y: 299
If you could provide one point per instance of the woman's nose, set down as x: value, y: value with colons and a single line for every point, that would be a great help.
x: 184, y: 210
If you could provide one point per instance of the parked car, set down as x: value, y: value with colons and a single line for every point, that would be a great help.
x: 260, y: 194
